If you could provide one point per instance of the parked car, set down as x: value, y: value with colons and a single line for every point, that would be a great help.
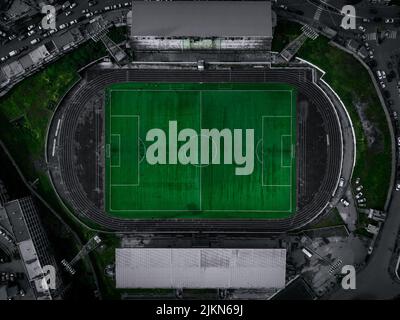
x: 35, y: 41
x: 341, y: 182
x: 65, y: 5
x: 345, y: 202
x: 13, y: 53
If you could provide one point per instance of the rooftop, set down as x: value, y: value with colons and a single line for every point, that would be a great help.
x: 202, y: 19
x: 200, y: 268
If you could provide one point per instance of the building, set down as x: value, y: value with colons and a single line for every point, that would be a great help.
x: 196, y: 268
x: 14, y: 14
x: 201, y: 25
x: 27, y: 63
x: 68, y: 39
x: 20, y: 218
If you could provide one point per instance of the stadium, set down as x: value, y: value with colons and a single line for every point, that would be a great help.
x: 129, y: 148
x: 78, y: 159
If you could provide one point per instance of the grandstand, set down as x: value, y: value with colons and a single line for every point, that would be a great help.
x: 201, y: 25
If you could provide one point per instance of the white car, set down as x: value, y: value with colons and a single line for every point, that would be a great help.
x: 30, y: 33
x: 31, y: 27
x: 2, y: 59
x: 68, y: 13
x: 359, y: 188
x: 63, y: 26
x: 398, y: 186
x: 65, y: 5
x: 389, y: 20
x: 359, y: 195
x: 383, y: 85
x: 34, y: 41
x: 73, y: 5
x: 73, y: 22
x: 398, y: 141
x: 13, y: 53
x: 85, y: 11
x: 89, y: 14
x: 341, y: 182
x: 361, y: 28
x: 345, y: 202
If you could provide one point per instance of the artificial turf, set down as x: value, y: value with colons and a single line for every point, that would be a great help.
x: 137, y: 189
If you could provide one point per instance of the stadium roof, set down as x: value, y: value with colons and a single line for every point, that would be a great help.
x: 200, y: 268
x: 201, y: 19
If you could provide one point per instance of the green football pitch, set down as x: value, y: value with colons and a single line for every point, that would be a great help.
x: 135, y: 188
